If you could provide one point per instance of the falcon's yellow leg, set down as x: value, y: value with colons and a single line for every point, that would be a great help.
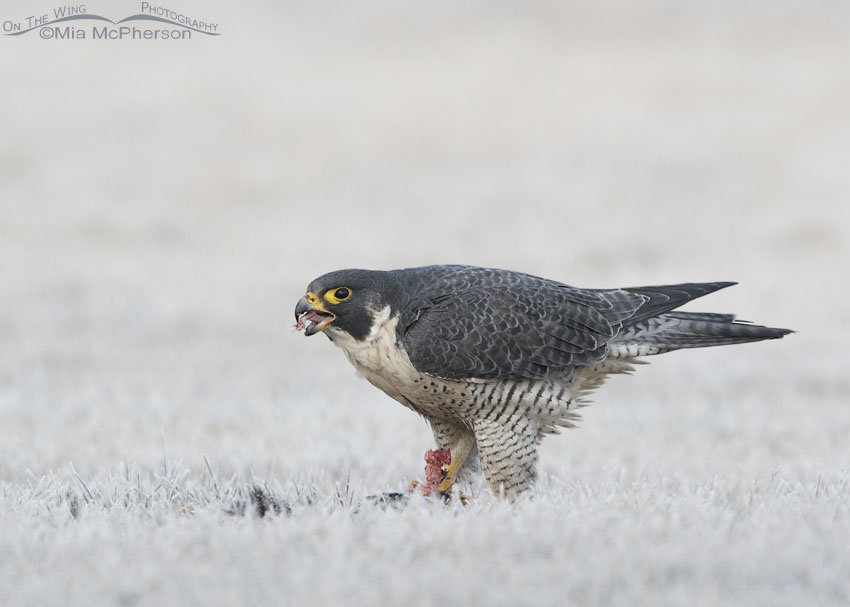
x: 459, y: 452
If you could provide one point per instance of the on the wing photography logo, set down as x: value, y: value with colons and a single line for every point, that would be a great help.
x: 74, y: 22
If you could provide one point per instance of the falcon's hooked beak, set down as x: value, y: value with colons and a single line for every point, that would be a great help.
x: 311, y: 315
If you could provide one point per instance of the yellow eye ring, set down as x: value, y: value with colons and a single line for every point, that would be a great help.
x: 338, y: 295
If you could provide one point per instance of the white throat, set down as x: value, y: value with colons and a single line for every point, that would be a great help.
x: 377, y: 358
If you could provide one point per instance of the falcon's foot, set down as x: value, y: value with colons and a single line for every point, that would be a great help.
x: 438, y: 476
x: 436, y: 472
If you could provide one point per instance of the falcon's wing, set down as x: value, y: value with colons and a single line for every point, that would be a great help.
x: 490, y: 324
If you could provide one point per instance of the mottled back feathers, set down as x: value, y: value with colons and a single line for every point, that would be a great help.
x: 465, y: 322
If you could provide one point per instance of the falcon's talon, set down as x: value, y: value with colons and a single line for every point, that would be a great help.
x: 458, y: 454
x: 495, y: 359
x: 463, y: 498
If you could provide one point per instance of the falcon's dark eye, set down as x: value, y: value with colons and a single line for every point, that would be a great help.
x: 338, y: 295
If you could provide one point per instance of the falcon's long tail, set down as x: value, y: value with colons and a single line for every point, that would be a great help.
x: 666, y: 330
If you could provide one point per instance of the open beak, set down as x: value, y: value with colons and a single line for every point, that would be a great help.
x: 311, y: 318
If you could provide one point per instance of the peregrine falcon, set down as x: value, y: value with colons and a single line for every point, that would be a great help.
x: 496, y: 359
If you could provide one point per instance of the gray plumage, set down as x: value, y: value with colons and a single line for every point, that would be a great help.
x: 495, y: 359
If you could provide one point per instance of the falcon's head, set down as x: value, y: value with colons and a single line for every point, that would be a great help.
x: 346, y: 301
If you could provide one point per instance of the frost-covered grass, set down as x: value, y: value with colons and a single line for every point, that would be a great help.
x: 179, y: 538
x: 162, y: 208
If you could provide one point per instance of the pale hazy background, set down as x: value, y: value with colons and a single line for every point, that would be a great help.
x: 164, y: 204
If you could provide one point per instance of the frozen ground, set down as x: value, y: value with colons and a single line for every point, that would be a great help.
x: 163, y: 206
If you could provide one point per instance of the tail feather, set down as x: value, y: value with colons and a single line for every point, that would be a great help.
x: 676, y: 330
